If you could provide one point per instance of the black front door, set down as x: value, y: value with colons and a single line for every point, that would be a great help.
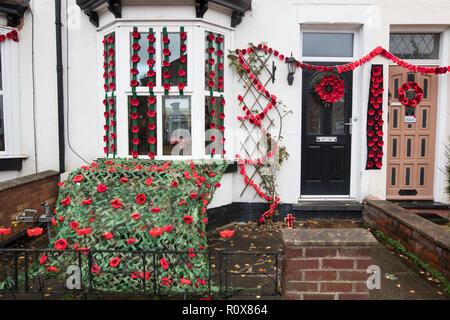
x: 326, y: 138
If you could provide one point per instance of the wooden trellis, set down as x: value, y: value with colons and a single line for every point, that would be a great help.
x: 250, y: 146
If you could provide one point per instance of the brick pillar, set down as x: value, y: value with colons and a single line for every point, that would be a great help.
x: 326, y: 264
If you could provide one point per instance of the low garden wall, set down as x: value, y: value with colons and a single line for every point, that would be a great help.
x: 427, y: 240
x: 26, y: 192
x: 326, y: 264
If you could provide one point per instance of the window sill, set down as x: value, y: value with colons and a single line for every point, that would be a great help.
x: 12, y: 162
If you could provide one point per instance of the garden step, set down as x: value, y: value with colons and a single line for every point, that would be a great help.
x: 327, y: 209
x: 420, y: 204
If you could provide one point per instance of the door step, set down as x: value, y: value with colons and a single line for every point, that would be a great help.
x: 421, y: 204
x: 328, y: 209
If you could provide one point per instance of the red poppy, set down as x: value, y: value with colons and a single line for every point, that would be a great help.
x: 166, y: 281
x: 136, y: 46
x: 74, y: 225
x: 226, y: 233
x: 165, y: 39
x: 135, y: 141
x: 168, y: 228
x: 116, y: 203
x: 183, y: 47
x: 35, y: 232
x: 211, y: 37
x: 156, y: 232
x: 150, y: 62
x: 180, y: 85
x: 134, y: 115
x: 95, y: 269
x: 134, y: 153
x: 5, y: 231
x: 66, y: 201
x: 164, y: 263
x: 166, y: 52
x: 135, y: 216
x: 135, y: 58
x: 135, y: 275
x: 183, y: 58
x: 123, y: 179
x: 151, y: 127
x: 151, y: 37
x: 134, y: 83
x: 108, y: 235
x: 134, y: 102
x: 174, y: 183
x: 188, y: 219
x: 140, y: 198
x: 149, y: 181
x: 61, y: 244
x: 43, y: 258
x: 185, y: 281
x: 51, y: 269
x: 182, y: 35
x: 131, y: 240
x: 155, y: 210
x: 87, y: 201
x: 101, y: 188
x: 114, y: 262
x: 166, y: 86
x: 136, y: 34
x: 182, y: 202
x: 83, y: 231
x: 194, y: 195
x: 78, y: 178
x: 191, y: 255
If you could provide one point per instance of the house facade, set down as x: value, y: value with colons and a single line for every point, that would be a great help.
x: 84, y: 88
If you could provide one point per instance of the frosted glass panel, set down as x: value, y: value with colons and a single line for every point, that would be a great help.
x: 327, y: 44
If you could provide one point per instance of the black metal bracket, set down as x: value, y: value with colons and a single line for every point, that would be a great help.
x: 89, y: 7
x: 201, y: 6
x: 274, y: 68
x: 14, y: 13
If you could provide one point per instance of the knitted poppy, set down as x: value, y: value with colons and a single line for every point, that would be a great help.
x: 164, y: 263
x: 188, y: 219
x: 140, y: 198
x: 61, y: 244
x: 116, y: 203
x: 114, y: 262
x: 65, y: 201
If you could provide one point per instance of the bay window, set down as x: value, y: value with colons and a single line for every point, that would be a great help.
x: 170, y: 91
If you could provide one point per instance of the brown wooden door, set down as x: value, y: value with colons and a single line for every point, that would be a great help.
x: 410, y: 154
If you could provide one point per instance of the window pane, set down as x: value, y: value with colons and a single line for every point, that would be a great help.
x: 414, y: 45
x: 141, y: 66
x: 145, y: 125
x: 176, y: 125
x: 327, y: 44
x: 2, y: 126
x: 214, y: 44
x: 174, y: 58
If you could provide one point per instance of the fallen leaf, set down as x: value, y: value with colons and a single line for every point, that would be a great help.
x: 399, y: 285
x: 242, y: 275
x: 219, y: 249
x: 260, y: 286
x: 412, y: 291
x: 237, y: 266
x: 268, y: 247
x: 258, y: 297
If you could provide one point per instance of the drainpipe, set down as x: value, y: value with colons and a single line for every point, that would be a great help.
x: 59, y: 74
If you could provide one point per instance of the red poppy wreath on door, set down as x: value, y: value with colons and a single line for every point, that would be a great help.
x: 330, y: 88
x: 404, y: 89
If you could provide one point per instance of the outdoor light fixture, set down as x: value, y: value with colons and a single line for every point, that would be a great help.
x: 292, y: 66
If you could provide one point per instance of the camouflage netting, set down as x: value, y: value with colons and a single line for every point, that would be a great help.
x: 129, y: 204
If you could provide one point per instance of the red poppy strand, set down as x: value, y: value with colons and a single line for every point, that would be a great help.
x: 109, y: 86
x: 166, y: 62
x: 211, y: 84
x: 182, y: 71
x: 12, y: 35
x: 374, y: 121
x: 134, y: 99
x: 112, y: 100
x: 151, y: 99
x: 220, y: 85
x: 353, y: 65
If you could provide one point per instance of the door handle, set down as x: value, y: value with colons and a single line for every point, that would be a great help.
x: 350, y: 124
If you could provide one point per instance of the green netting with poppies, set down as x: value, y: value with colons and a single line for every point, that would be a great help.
x: 133, y: 204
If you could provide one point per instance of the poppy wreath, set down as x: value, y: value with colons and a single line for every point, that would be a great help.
x: 402, y: 94
x: 330, y: 88
x: 374, y: 119
x: 109, y: 101
x: 151, y: 113
x: 136, y: 205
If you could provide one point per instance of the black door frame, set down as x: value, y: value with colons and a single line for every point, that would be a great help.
x: 348, y: 79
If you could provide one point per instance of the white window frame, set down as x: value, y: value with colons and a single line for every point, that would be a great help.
x: 10, y: 93
x: 196, y: 30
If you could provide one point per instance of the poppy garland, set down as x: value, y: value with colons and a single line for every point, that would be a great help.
x: 182, y: 65
x: 12, y: 35
x: 417, y: 97
x: 374, y: 119
x: 330, y: 88
x: 151, y: 113
x: 109, y: 101
x: 349, y: 66
x: 134, y: 101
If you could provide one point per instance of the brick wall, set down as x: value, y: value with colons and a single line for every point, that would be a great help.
x: 326, y: 264
x: 26, y: 192
x: 428, y: 241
